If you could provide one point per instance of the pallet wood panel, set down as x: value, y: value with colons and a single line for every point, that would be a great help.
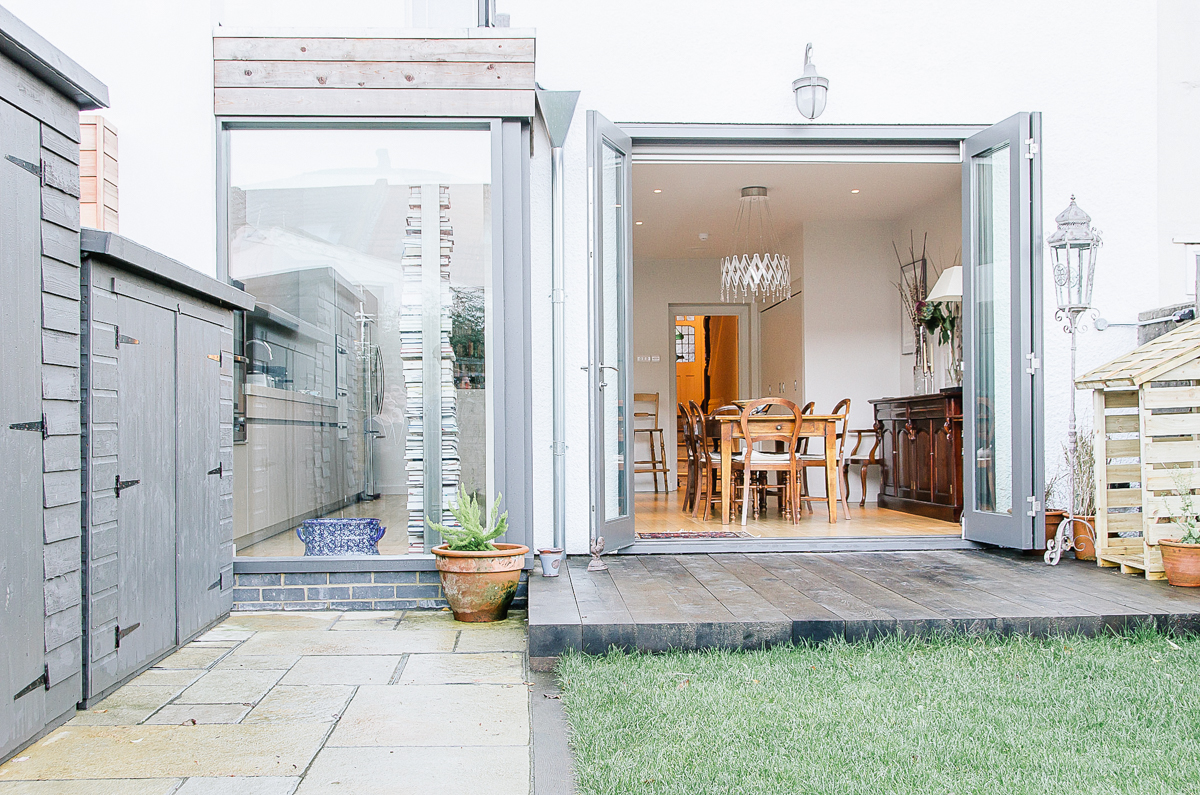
x: 98, y: 174
x: 373, y: 102
x: 372, y: 74
x: 374, y: 49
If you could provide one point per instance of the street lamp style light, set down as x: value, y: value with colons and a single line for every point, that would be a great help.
x: 1073, y: 248
x: 811, y: 89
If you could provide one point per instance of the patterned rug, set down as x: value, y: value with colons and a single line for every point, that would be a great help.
x: 698, y: 534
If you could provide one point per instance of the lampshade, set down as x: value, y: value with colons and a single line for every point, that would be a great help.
x: 1073, y: 247
x: 811, y: 89
x: 948, y: 287
x: 756, y: 269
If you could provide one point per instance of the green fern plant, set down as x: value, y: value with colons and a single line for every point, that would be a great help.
x: 472, y: 535
x: 1188, y: 522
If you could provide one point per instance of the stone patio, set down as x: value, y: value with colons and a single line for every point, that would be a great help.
x: 305, y: 704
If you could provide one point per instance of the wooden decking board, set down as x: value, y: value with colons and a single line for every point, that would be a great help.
x: 696, y: 601
x: 738, y: 598
x: 919, y: 585
x: 824, y: 593
x: 742, y: 600
x: 794, y: 604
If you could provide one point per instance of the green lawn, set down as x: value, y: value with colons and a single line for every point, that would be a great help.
x: 958, y: 715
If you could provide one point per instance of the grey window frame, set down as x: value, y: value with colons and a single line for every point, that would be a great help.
x: 512, y: 400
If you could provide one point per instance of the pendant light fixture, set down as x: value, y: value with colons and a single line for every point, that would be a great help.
x: 755, y: 269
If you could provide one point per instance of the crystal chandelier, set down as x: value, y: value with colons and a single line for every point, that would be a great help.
x: 755, y: 270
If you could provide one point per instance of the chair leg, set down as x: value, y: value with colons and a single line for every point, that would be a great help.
x: 804, y: 488
x: 746, y: 478
x: 862, y: 471
x: 662, y: 456
x: 844, y: 494
x: 653, y: 458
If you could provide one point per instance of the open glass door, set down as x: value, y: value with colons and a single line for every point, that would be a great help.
x: 611, y: 262
x: 1002, y: 258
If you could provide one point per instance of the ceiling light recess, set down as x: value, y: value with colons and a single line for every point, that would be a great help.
x: 755, y: 270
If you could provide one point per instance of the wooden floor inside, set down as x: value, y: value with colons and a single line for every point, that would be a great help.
x: 696, y: 601
x: 663, y: 513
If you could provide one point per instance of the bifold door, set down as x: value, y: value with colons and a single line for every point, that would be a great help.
x: 1002, y: 391
x: 610, y: 365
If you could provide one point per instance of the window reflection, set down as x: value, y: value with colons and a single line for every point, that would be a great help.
x: 362, y: 371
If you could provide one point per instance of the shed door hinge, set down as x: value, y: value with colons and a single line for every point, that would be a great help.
x: 120, y: 632
x: 558, y: 295
x: 40, y: 426
x: 1035, y: 506
x: 121, y: 338
x: 25, y: 164
x: 1031, y: 148
x: 215, y: 585
x: 218, y: 470
x: 42, y: 681
x: 1035, y: 364
x: 216, y: 357
x: 124, y: 484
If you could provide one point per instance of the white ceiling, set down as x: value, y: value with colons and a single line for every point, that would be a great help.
x: 704, y: 197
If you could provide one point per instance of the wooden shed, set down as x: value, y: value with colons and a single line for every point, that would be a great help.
x: 158, y: 464
x: 1147, y: 447
x: 41, y: 94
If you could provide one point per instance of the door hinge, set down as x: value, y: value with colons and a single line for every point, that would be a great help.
x: 1031, y: 148
x: 42, y: 681
x: 216, y: 357
x: 124, y: 484
x: 215, y: 585
x: 218, y: 470
x: 120, y: 632
x: 1035, y: 364
x: 40, y: 425
x: 121, y: 338
x: 1035, y: 506
x: 25, y: 164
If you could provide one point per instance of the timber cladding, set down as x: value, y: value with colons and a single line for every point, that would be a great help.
x: 477, y: 74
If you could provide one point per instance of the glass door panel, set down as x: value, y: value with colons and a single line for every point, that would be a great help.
x: 612, y: 388
x: 1002, y: 344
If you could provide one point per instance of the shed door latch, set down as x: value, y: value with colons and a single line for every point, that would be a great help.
x: 1035, y: 506
x: 1035, y: 364
x: 42, y: 681
x: 1031, y: 148
x: 121, y: 338
x: 39, y: 426
x: 120, y: 632
x: 25, y: 164
x: 124, y: 484
x: 218, y: 470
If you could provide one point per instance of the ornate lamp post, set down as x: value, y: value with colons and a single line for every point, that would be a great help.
x: 1073, y: 248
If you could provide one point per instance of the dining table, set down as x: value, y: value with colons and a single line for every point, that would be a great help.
x: 728, y: 427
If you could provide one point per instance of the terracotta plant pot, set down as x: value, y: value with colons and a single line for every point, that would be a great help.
x: 1053, y: 520
x: 1181, y: 562
x: 480, y: 585
x: 1085, y: 543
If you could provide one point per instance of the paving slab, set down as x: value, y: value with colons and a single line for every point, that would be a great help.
x: 179, y: 714
x: 505, y: 638
x: 124, y: 786
x: 261, y: 662
x: 429, y: 619
x: 230, y: 687
x: 224, y: 632
x: 502, y: 668
x: 343, y: 670
x: 301, y: 704
x: 397, y: 641
x: 178, y: 678
x: 128, y: 705
x: 373, y: 624
x: 117, y: 752
x: 239, y: 785
x: 418, y: 771
x: 191, y: 656
x: 280, y: 621
x: 451, y: 715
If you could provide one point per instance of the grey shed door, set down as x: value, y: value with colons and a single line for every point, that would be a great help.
x: 199, y: 558
x: 145, y: 586
x: 22, y: 608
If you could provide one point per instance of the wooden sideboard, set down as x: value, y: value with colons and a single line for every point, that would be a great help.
x: 921, y: 454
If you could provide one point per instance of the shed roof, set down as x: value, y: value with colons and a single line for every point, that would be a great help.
x: 1147, y: 362
x: 162, y: 269
x: 23, y: 44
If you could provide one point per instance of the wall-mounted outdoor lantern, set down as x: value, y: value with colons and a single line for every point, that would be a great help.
x: 811, y: 89
x: 1073, y: 248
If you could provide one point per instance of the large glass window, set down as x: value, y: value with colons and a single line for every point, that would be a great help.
x: 362, y: 385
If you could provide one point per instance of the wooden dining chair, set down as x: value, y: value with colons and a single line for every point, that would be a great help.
x: 693, y: 463
x: 709, y: 459
x: 653, y: 429
x: 863, y: 460
x: 807, y: 459
x: 783, y: 430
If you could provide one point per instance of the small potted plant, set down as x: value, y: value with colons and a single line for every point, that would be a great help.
x: 1054, y: 516
x: 1181, y: 556
x: 478, y: 577
x: 1084, y: 498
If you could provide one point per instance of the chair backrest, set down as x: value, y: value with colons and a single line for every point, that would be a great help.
x: 706, y: 445
x: 808, y: 409
x: 842, y: 408
x: 770, y: 428
x: 647, y: 398
x: 689, y: 431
